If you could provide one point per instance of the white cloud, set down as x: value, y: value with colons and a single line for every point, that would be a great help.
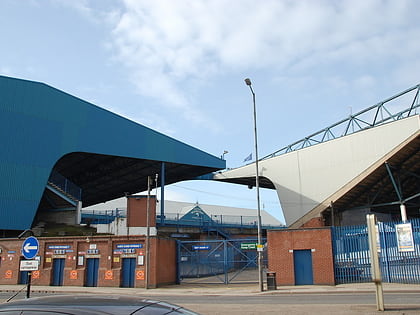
x: 166, y: 45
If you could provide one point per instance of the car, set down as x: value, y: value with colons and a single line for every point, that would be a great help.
x: 91, y: 304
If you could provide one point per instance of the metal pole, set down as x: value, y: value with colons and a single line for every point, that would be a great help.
x: 257, y: 185
x: 148, y: 234
x: 376, y: 271
x: 403, y: 212
x: 162, y: 194
x: 28, y: 288
x: 332, y: 214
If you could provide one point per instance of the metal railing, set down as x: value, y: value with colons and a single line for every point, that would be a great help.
x: 176, y: 219
x: 65, y: 185
x: 352, y: 258
x: 373, y: 116
x: 224, y: 221
x: 101, y: 216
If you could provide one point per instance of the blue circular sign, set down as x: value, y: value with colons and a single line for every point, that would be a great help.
x: 30, y: 247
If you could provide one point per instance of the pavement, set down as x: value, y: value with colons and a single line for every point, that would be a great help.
x: 211, y: 290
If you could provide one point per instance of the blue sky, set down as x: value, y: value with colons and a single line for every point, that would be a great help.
x: 178, y: 66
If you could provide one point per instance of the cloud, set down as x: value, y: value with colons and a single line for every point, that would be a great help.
x: 169, y: 46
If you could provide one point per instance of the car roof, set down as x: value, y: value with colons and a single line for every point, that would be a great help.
x: 94, y: 304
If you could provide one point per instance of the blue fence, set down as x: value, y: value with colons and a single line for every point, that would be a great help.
x: 398, y: 265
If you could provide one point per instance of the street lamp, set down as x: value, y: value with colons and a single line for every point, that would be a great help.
x: 257, y: 185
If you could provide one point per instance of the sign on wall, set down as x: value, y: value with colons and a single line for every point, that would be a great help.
x: 404, y: 237
x: 109, y: 275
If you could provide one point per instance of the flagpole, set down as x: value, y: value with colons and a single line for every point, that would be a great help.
x: 257, y: 185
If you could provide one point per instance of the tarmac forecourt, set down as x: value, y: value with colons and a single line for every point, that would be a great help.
x: 184, y: 295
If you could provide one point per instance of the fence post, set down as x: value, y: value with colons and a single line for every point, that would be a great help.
x: 178, y: 262
x: 225, y: 262
x: 376, y: 271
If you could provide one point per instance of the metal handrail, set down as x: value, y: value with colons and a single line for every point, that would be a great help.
x: 357, y: 122
x: 65, y: 185
x: 177, y: 219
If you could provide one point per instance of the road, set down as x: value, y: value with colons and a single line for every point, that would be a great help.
x: 312, y: 303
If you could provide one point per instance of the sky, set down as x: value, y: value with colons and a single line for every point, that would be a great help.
x: 178, y: 67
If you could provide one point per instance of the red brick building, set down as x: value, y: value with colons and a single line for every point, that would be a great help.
x: 302, y: 256
x: 103, y: 261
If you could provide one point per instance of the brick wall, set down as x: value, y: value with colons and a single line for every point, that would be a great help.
x: 137, y: 211
x: 110, y: 252
x: 165, y: 263
x: 282, y: 243
x: 314, y: 223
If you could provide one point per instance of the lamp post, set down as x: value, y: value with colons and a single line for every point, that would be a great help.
x: 257, y: 185
x: 147, y: 280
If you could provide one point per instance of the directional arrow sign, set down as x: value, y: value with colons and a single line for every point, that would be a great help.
x: 30, y: 247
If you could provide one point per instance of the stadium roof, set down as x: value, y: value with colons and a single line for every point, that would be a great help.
x: 45, y: 131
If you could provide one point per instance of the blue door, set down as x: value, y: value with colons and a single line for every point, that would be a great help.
x: 128, y: 268
x: 58, y: 271
x: 303, y: 267
x: 23, y: 277
x: 92, y: 267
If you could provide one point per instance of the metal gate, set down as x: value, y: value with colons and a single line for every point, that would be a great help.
x: 216, y: 261
x: 398, y: 265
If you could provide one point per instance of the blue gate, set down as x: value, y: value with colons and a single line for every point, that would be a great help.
x: 91, y: 275
x: 58, y: 271
x: 352, y: 259
x: 216, y: 261
x: 128, y: 268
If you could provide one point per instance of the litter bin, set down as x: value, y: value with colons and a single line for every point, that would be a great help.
x: 271, y: 281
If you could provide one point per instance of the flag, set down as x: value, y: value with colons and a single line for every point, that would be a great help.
x: 248, y: 158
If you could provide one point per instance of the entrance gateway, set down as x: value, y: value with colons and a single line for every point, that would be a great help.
x: 218, y: 261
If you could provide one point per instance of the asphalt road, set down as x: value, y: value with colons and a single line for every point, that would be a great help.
x: 313, y: 303
x: 275, y: 299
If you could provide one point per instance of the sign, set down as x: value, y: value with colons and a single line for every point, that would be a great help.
x: 35, y: 274
x: 140, y: 275
x: 248, y: 245
x: 405, y: 237
x: 30, y: 247
x: 260, y: 247
x: 180, y: 235
x: 59, y: 246
x: 8, y: 274
x: 73, y: 274
x: 109, y: 275
x: 119, y: 246
x: 201, y: 247
x: 29, y: 265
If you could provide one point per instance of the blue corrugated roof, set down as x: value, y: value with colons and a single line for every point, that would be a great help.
x: 40, y: 124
